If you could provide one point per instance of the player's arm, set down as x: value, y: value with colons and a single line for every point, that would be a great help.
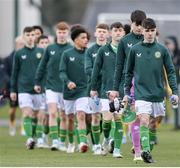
x: 41, y: 70
x: 63, y: 72
x: 129, y: 73
x: 88, y: 63
x: 96, y: 70
x: 119, y: 66
x: 14, y: 77
x: 171, y: 74
x: 15, y: 72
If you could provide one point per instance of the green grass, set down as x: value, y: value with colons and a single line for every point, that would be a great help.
x: 14, y: 153
x: 4, y: 112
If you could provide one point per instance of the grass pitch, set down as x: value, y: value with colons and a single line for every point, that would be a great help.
x: 14, y: 153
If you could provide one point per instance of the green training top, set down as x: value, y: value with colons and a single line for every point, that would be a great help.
x: 145, y: 62
x: 123, y: 50
x: 49, y: 66
x: 90, y: 57
x: 72, y: 69
x: 105, y: 64
x: 26, y: 61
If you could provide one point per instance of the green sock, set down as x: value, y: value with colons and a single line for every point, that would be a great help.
x: 106, y: 128
x: 34, y: 124
x: 118, y: 134
x: 144, y: 133
x: 96, y: 133
x: 83, y: 135
x: 58, y: 124
x: 88, y: 127
x: 71, y: 136
x: 54, y: 132
x: 28, y: 127
x: 112, y: 129
x: 39, y: 131
x: 77, y: 135
x: 46, y: 129
x: 152, y: 138
x: 62, y: 135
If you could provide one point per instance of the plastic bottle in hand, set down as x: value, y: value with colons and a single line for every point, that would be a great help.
x: 173, y: 102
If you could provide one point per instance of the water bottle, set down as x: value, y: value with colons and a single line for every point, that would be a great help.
x: 96, y: 100
x: 173, y: 102
x: 116, y: 104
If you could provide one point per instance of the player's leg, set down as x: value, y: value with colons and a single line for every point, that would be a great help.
x: 106, y: 126
x: 81, y: 107
x: 26, y: 106
x: 118, y: 135
x: 63, y: 123
x: 52, y: 100
x: 144, y: 109
x: 156, y: 117
x: 69, y: 111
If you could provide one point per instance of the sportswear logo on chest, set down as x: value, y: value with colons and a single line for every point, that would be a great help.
x: 138, y: 54
x: 106, y: 53
x: 94, y: 55
x: 71, y: 58
x: 23, y: 56
x: 129, y: 45
x: 52, y: 52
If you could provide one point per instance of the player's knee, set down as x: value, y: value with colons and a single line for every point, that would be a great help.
x: 63, y: 117
x: 71, y: 117
x: 96, y: 119
x: 152, y: 123
x: 80, y: 116
x: 144, y: 121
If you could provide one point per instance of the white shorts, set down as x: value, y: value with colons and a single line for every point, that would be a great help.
x: 30, y: 100
x: 105, y: 105
x: 154, y: 109
x: 55, y: 97
x: 80, y: 104
x: 93, y: 106
x: 44, y: 106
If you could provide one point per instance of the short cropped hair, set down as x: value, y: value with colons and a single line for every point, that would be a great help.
x: 149, y: 23
x: 102, y: 26
x: 138, y: 16
x: 42, y: 37
x: 62, y: 26
x: 28, y: 29
x: 76, y: 30
x: 116, y: 25
x: 39, y: 28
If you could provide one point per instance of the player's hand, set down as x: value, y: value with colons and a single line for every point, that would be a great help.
x: 71, y: 85
x: 1, y: 97
x: 112, y: 94
x: 93, y: 93
x: 13, y: 96
x: 126, y: 98
x: 37, y: 88
x: 175, y: 98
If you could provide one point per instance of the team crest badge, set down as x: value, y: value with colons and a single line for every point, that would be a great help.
x: 38, y: 55
x: 157, y: 54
